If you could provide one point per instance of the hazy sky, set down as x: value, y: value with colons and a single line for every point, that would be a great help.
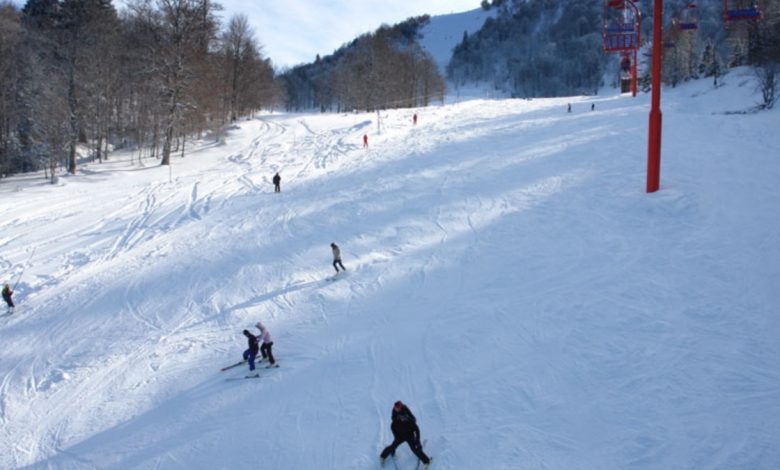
x: 295, y: 31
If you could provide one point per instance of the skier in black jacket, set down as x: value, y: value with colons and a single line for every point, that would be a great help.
x: 251, y: 353
x: 277, y: 183
x: 405, y: 429
x: 7, y: 293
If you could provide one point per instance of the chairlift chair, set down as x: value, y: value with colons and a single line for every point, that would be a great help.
x: 621, y: 26
x: 621, y: 34
x: 737, y: 10
x: 689, y: 18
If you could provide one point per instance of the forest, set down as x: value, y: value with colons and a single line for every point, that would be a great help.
x: 384, y: 69
x: 76, y: 73
x: 554, y: 47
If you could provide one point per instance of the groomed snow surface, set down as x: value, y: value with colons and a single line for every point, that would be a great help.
x: 508, y: 278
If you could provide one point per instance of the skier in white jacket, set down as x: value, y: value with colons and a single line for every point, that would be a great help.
x: 337, y: 257
x: 267, y: 344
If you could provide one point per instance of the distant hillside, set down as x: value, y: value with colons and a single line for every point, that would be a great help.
x: 384, y: 69
x: 521, y: 48
x: 554, y: 47
x: 535, y: 48
x: 443, y: 33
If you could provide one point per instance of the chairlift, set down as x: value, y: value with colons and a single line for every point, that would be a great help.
x: 621, y: 34
x: 737, y: 10
x: 621, y: 26
x: 689, y: 18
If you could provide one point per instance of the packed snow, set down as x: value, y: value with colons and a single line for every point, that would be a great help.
x: 507, y: 277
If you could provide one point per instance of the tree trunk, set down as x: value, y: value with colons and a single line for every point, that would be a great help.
x: 73, y: 121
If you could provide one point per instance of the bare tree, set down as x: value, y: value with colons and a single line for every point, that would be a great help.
x: 184, y: 31
x: 9, y: 35
x: 238, y: 48
x: 767, y: 83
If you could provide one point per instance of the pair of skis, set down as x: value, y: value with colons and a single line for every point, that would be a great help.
x: 233, y: 365
x: 419, y: 465
x: 250, y: 376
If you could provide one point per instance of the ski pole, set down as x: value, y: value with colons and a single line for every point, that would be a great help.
x: 24, y: 267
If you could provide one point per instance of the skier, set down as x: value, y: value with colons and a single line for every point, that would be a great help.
x: 414, y: 119
x: 592, y: 106
x: 405, y: 429
x: 337, y: 257
x: 365, y: 140
x: 277, y: 183
x: 568, y: 108
x: 251, y: 353
x: 268, y: 343
x: 7, y: 293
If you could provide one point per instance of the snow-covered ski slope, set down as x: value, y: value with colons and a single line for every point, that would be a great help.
x: 509, y: 279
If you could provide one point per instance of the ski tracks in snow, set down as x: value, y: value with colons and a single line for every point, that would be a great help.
x: 137, y: 227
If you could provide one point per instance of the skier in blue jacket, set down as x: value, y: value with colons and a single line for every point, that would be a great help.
x: 251, y: 353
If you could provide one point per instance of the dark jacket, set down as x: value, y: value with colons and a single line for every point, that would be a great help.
x: 252, y: 341
x: 404, y: 425
x: 277, y: 179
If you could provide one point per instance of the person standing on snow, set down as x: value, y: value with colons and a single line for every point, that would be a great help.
x: 414, y: 119
x: 268, y: 343
x: 337, y: 257
x: 277, y: 183
x: 251, y: 353
x: 7, y: 293
x: 365, y: 140
x: 405, y: 429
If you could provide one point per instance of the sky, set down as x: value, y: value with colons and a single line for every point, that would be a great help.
x: 295, y: 31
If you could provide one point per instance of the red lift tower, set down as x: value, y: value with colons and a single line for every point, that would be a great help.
x: 654, y: 133
x: 733, y: 10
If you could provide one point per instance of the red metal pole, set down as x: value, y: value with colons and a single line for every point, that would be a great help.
x: 634, y: 76
x: 654, y: 134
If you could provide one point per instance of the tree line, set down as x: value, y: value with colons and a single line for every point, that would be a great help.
x: 78, y: 74
x: 384, y: 69
x: 534, y: 48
